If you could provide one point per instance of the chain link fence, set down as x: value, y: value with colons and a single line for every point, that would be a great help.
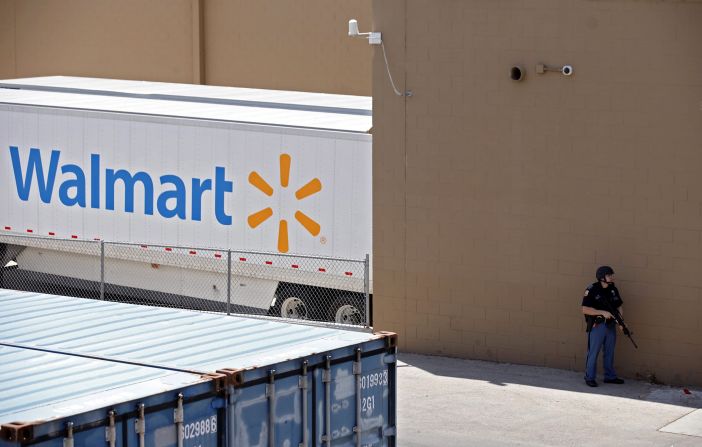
x: 326, y: 290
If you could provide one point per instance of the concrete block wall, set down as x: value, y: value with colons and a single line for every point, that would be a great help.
x: 129, y: 39
x: 495, y: 200
x: 290, y: 45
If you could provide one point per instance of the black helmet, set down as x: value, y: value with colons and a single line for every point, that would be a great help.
x: 603, y: 271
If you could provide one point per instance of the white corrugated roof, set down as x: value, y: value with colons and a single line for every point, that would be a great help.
x: 161, y: 337
x: 344, y: 113
x: 39, y: 385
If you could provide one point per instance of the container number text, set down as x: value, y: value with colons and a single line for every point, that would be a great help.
x: 375, y: 379
x: 200, y: 428
x: 368, y: 404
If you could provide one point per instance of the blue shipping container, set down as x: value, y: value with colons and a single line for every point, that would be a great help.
x: 285, y: 384
x: 58, y: 400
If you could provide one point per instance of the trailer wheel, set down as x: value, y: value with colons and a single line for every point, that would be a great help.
x: 293, y: 307
x: 347, y: 310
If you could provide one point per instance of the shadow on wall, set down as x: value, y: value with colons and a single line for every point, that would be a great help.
x: 503, y: 374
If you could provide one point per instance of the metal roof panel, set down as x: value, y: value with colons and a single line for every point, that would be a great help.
x: 161, y: 337
x: 36, y: 385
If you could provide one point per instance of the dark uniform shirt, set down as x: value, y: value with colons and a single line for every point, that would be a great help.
x: 601, y: 298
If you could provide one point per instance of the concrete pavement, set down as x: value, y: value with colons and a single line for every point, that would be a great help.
x: 453, y: 402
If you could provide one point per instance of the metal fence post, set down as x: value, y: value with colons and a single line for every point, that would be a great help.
x: 3, y: 249
x: 229, y: 281
x: 102, y: 270
x: 366, y: 287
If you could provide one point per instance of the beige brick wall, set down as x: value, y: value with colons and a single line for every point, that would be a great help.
x: 129, y: 39
x: 7, y: 39
x: 287, y: 45
x: 494, y: 201
x: 294, y: 45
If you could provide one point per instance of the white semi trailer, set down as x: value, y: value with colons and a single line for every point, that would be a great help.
x: 164, y: 165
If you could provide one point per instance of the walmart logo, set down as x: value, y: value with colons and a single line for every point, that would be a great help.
x: 169, y: 196
x: 310, y: 188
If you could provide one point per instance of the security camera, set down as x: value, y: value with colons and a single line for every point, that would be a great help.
x: 567, y: 70
x: 353, y: 28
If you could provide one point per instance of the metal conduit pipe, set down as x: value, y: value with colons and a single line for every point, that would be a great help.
x: 357, y: 374
x: 231, y: 416
x: 271, y: 408
x: 326, y: 378
x: 110, y: 430
x: 68, y: 440
x: 140, y: 426
x: 303, y: 387
x: 178, y: 418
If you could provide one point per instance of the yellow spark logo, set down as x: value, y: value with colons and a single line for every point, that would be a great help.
x: 310, y: 188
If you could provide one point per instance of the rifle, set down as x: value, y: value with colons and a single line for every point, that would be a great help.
x: 620, y: 321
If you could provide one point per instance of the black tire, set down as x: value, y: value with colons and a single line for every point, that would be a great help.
x: 291, y: 303
x: 348, y: 310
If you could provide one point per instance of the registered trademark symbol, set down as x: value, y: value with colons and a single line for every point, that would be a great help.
x: 322, y: 240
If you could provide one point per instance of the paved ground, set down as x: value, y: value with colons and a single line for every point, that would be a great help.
x: 450, y: 402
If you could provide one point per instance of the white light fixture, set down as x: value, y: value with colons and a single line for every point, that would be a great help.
x: 373, y: 38
x: 376, y: 39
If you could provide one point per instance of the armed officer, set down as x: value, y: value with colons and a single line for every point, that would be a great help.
x: 600, y: 300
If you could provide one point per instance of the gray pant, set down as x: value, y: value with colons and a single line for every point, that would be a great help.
x: 601, y: 336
